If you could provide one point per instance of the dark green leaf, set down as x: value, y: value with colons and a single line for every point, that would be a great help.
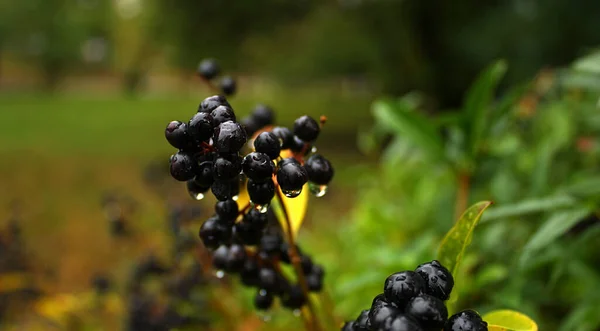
x: 529, y: 206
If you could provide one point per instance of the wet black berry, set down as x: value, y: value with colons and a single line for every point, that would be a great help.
x: 225, y: 189
x: 314, y: 282
x: 177, y: 134
x: 362, y: 322
x: 348, y: 326
x: 261, y: 192
x: 429, y: 311
x: 319, y: 169
x: 291, y: 177
x: 247, y: 233
x: 227, y: 210
x: 214, y: 233
x: 249, y: 273
x: 466, y: 320
x: 285, y: 135
x: 194, y: 190
x: 306, y: 128
x: 225, y: 169
x: 401, y: 287
x: 438, y: 280
x: 201, y: 126
x: 268, y: 279
x: 208, y: 69
x: 228, y: 85
x: 270, y: 244
x: 263, y: 300
x: 298, y: 145
x: 183, y: 166
x: 258, y: 166
x: 263, y: 115
x: 236, y: 258
x: 401, y: 323
x: 219, y: 257
x: 380, y: 311
x: 288, y: 160
x: 229, y: 137
x: 268, y: 143
x: 306, y: 263
x: 293, y: 297
x: 204, y: 174
x: 209, y: 104
x: 250, y: 125
x: 256, y: 218
x: 222, y: 114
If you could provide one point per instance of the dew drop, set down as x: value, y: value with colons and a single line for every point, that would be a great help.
x: 220, y: 274
x: 292, y: 193
x: 313, y: 149
x: 317, y: 190
x: 235, y: 197
x: 296, y: 312
x: 261, y: 208
x: 196, y: 195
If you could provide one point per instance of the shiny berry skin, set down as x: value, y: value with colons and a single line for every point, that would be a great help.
x: 466, y: 320
x: 236, y: 258
x: 348, y: 326
x: 438, y: 280
x: 213, y: 233
x: 225, y: 189
x: 285, y: 135
x: 194, y: 189
x: 268, y: 143
x: 401, y: 323
x: 270, y: 243
x: 208, y: 69
x: 293, y: 297
x: 201, y: 126
x: 250, y: 125
x: 380, y: 311
x: 225, y: 169
x: 209, y: 104
x: 429, y: 311
x: 288, y: 160
x: 258, y: 166
x: 401, y: 287
x: 261, y: 192
x: 263, y: 115
x: 319, y: 169
x: 183, y: 166
x: 268, y: 279
x: 298, y: 145
x: 291, y: 177
x: 177, y: 134
x: 222, y: 114
x: 228, y: 85
x: 227, y: 210
x: 219, y: 257
x: 306, y: 128
x: 362, y: 322
x: 256, y: 218
x: 204, y: 174
x: 263, y: 300
x: 229, y: 137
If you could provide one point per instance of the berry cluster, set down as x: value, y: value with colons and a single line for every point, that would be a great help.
x: 277, y: 162
x: 209, y: 69
x: 414, y: 301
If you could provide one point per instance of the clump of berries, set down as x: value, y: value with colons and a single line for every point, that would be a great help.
x: 414, y: 301
x: 209, y: 70
x: 220, y: 154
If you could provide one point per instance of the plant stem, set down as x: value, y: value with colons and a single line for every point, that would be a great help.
x: 462, y: 194
x: 297, y: 263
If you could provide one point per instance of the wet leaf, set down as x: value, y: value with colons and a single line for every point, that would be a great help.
x: 295, y: 208
x: 509, y: 320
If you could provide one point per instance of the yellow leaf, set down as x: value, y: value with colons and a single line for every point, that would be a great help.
x: 58, y: 308
x: 509, y: 320
x: 243, y: 198
x: 295, y: 209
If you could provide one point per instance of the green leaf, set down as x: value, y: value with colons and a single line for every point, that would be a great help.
x: 455, y: 242
x: 528, y: 207
x: 403, y: 120
x: 478, y: 103
x: 589, y: 63
x: 553, y: 228
x: 509, y: 320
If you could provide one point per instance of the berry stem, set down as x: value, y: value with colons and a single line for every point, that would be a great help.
x: 462, y: 195
x: 297, y: 263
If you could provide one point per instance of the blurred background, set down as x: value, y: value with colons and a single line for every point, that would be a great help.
x: 88, y: 86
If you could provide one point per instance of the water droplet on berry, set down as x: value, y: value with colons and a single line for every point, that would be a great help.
x: 196, y: 195
x: 261, y: 208
x: 317, y: 190
x: 235, y: 197
x: 292, y: 193
x: 262, y: 292
x: 220, y: 274
x: 313, y: 149
x: 296, y: 312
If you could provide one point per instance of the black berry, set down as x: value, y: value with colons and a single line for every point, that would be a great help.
x: 306, y: 128
x: 209, y: 104
x: 183, y: 166
x: 401, y: 287
x: 268, y: 279
x: 228, y: 85
x: 261, y: 192
x: 208, y: 69
x: 236, y: 258
x: 222, y: 114
x: 466, y: 320
x: 270, y: 244
x: 401, y: 322
x: 362, y: 322
x: 227, y: 210
x: 263, y: 115
x: 204, y: 174
x: 258, y: 166
x: 213, y: 233
x: 250, y: 125
x: 285, y: 135
x: 348, y: 326
x: 314, y: 282
x: 288, y: 160
x: 293, y: 298
x: 225, y: 189
x: 194, y: 190
x: 438, y: 280
x: 263, y: 300
x: 298, y: 145
x: 219, y: 257
x: 177, y: 134
x: 229, y: 137
x: 319, y: 169
x: 291, y: 177
x: 225, y: 169
x: 247, y: 233
x: 249, y: 273
x: 268, y: 143
x: 429, y: 311
x: 380, y: 311
x: 201, y: 126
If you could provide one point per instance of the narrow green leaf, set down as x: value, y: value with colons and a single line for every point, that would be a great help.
x: 455, y: 242
x: 402, y: 120
x: 509, y: 320
x: 528, y: 207
x: 478, y: 102
x: 553, y: 228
